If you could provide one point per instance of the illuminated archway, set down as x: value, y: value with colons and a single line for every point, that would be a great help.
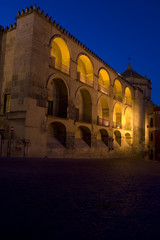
x: 117, y: 137
x: 103, y: 112
x: 85, y: 70
x: 128, y: 97
x: 83, y: 106
x: 128, y: 138
x: 60, y: 55
x: 57, y: 98
x: 128, y: 119
x: 104, y: 81
x: 117, y: 116
x: 118, y: 90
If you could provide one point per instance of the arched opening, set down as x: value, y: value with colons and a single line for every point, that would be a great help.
x: 85, y: 70
x: 58, y: 131
x: 104, y: 81
x: 60, y: 56
x: 117, y: 116
x: 118, y: 90
x: 128, y: 98
x: 128, y: 138
x: 104, y: 136
x: 118, y: 137
x: 57, y: 98
x: 128, y: 119
x: 103, y: 112
x: 83, y: 106
x: 83, y: 133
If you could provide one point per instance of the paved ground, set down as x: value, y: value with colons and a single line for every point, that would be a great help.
x: 79, y: 199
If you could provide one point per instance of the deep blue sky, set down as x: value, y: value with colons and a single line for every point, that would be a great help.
x: 113, y: 29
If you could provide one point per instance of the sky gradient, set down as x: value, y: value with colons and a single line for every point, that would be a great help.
x: 114, y: 30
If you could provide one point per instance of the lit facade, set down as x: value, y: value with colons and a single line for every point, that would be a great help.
x: 58, y: 99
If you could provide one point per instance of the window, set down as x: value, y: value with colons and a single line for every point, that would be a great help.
x: 151, y: 122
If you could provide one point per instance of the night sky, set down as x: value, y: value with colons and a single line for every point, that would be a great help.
x: 115, y: 30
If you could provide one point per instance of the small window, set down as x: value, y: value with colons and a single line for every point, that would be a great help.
x: 151, y: 122
x: 50, y: 108
x: 7, y: 102
x: 151, y: 137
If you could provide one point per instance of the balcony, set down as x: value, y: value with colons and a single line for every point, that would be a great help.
x: 63, y: 68
x: 117, y: 125
x: 104, y: 89
x: 103, y: 122
x: 84, y: 79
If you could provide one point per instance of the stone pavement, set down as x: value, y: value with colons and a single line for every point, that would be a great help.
x: 79, y: 199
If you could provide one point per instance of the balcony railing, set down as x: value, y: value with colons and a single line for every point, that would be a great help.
x: 103, y: 122
x: 104, y: 89
x: 84, y: 79
x: 128, y: 101
x: 118, y: 97
x: 63, y: 68
x: 117, y: 125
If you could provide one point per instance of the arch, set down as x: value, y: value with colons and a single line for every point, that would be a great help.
x: 128, y: 119
x: 104, y: 136
x: 117, y: 90
x: 128, y: 96
x: 60, y: 55
x: 117, y: 116
x: 128, y: 138
x: 84, y: 133
x: 103, y: 112
x: 85, y: 70
x: 104, y: 81
x: 117, y: 137
x: 83, y: 106
x: 58, y: 130
x: 57, y: 98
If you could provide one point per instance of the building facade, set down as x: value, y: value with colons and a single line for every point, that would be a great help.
x: 59, y: 99
x: 154, y: 133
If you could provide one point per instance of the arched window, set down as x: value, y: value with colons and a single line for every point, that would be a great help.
x: 128, y: 99
x: 103, y: 112
x: 118, y: 90
x: 104, y: 136
x: 58, y: 131
x: 57, y: 98
x: 83, y: 133
x: 83, y: 106
x: 85, y: 70
x: 128, y: 138
x: 118, y: 137
x: 117, y: 116
x: 104, y: 81
x: 60, y: 56
x: 128, y: 119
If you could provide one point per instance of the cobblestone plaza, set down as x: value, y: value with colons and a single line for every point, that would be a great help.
x: 79, y: 199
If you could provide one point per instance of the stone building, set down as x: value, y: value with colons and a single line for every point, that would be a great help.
x: 154, y: 133
x: 59, y: 99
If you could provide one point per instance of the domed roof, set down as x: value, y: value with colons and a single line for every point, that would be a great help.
x: 131, y: 73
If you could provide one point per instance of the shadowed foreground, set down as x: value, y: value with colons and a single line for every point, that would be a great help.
x: 79, y: 199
